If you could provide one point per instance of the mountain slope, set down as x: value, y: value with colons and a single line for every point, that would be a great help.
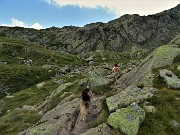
x: 23, y: 64
x: 129, y: 32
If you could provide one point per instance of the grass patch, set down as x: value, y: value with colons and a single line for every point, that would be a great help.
x: 102, y: 89
x: 29, y: 96
x: 11, y: 48
x: 167, y: 107
x: 22, y: 77
x: 116, y: 132
x: 160, y: 123
x: 177, y: 59
x: 17, y: 120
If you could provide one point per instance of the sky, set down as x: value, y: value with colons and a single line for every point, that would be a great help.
x: 41, y: 14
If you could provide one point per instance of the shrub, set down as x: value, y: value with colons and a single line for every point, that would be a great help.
x: 140, y: 85
x: 176, y: 59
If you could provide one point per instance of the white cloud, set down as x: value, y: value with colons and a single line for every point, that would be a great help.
x: 120, y: 7
x: 36, y: 26
x: 16, y: 22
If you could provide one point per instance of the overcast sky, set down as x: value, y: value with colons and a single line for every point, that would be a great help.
x: 40, y: 14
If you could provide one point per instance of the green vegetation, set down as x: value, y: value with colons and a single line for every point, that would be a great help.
x: 22, y: 77
x: 30, y: 96
x: 167, y: 105
x: 140, y: 85
x: 161, y: 123
x: 23, y: 64
x: 102, y: 89
x: 16, y: 50
x: 17, y: 120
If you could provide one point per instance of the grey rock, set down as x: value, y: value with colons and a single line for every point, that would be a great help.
x: 102, y: 129
x: 3, y: 63
x: 40, y: 85
x: 46, y: 104
x: 97, y: 77
x: 65, y: 119
x: 178, y: 68
x: 150, y: 109
x: 160, y: 57
x: 91, y: 62
x: 30, y: 108
x: 129, y: 95
x: 128, y: 120
x: 175, y: 124
x: 171, y: 80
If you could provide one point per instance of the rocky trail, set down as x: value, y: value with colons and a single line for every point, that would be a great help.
x: 126, y: 106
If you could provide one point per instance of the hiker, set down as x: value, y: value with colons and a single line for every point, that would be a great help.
x: 116, y: 73
x: 85, y: 102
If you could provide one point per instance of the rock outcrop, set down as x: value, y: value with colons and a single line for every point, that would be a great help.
x: 127, y: 119
x: 171, y: 80
x: 160, y: 57
x: 65, y: 119
x: 128, y: 96
x: 178, y: 68
x: 102, y: 129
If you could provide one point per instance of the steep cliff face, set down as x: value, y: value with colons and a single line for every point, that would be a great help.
x: 129, y: 32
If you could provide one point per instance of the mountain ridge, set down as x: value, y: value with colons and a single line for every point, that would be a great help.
x: 126, y: 33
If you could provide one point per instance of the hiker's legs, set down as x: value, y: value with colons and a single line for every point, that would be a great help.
x: 115, y: 80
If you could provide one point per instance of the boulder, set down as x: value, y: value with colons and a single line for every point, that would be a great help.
x: 171, y: 80
x: 91, y: 58
x: 150, y: 109
x: 178, y: 68
x: 128, y: 120
x: 175, y: 124
x: 97, y: 77
x: 29, y: 108
x: 55, y: 120
x: 160, y: 57
x: 40, y: 85
x: 102, y: 129
x: 128, y: 96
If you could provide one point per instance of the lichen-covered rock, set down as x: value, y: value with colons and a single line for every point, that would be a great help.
x: 172, y: 81
x: 55, y: 120
x: 164, y: 56
x: 30, y: 108
x: 150, y: 109
x: 102, y: 129
x: 128, y: 120
x: 3, y: 63
x: 128, y: 96
x: 178, y: 68
x: 46, y: 104
x: 40, y: 85
x: 42, y: 129
x: 97, y: 77
x: 160, y: 57
x: 65, y: 119
x: 61, y: 109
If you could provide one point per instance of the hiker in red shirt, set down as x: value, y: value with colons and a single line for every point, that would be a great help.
x: 116, y: 72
